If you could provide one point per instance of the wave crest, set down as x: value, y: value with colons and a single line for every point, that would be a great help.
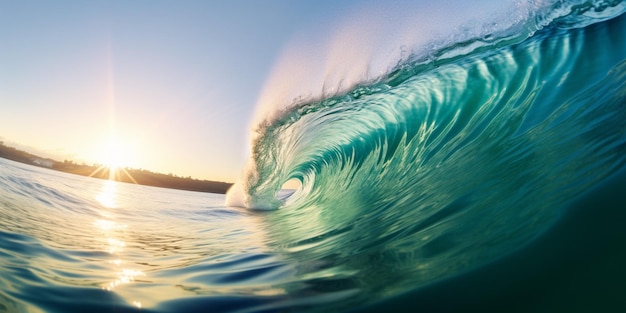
x: 376, y: 118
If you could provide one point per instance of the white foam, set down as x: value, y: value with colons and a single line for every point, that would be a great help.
x: 235, y: 197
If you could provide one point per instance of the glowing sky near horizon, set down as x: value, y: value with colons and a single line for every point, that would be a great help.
x: 175, y: 82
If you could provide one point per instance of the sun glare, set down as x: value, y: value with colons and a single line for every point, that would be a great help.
x: 115, y: 157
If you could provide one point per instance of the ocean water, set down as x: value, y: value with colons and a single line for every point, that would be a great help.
x: 486, y: 173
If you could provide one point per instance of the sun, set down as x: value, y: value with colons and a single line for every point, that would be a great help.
x: 115, y: 156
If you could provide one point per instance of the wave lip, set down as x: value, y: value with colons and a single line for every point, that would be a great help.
x: 368, y: 49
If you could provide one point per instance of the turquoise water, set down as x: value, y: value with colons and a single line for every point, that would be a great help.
x: 485, y: 175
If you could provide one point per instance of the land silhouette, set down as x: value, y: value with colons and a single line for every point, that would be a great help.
x: 127, y: 175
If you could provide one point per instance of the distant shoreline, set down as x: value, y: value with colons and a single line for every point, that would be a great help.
x: 127, y: 175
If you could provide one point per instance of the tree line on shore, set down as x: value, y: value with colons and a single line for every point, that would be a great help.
x: 127, y: 175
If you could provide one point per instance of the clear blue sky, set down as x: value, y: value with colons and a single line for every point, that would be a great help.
x: 174, y: 83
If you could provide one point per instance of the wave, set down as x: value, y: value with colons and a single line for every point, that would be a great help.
x: 442, y: 166
x: 439, y: 168
x: 431, y: 104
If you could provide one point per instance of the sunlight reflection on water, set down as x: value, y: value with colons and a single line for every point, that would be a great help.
x: 111, y: 231
x: 147, y: 265
x: 107, y: 196
x: 139, y: 246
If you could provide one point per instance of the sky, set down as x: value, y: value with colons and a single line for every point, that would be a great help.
x: 174, y: 86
